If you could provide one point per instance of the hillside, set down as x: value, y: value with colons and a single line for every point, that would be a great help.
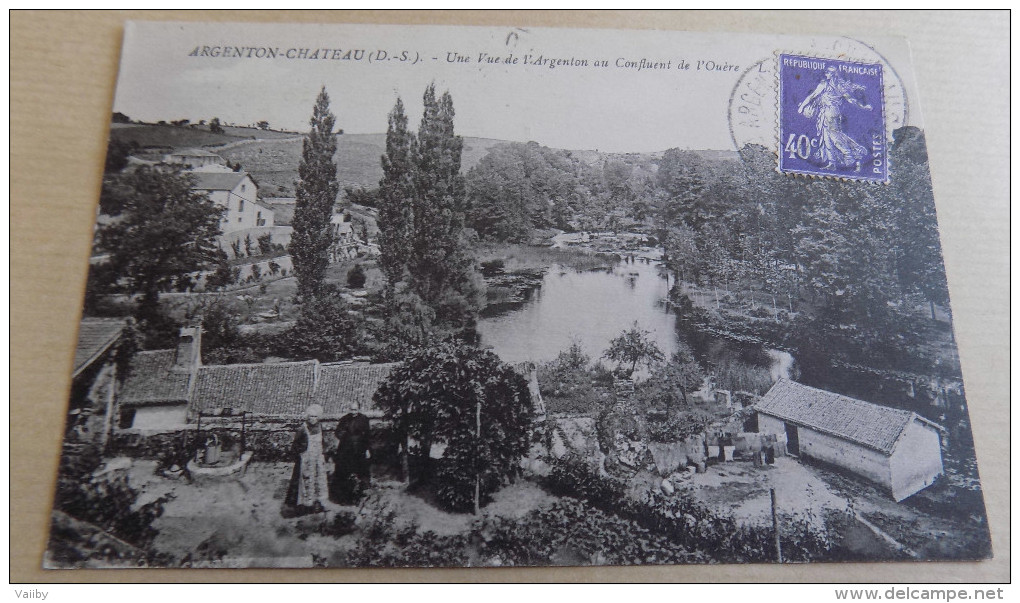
x: 274, y: 163
x: 160, y: 138
x: 272, y: 157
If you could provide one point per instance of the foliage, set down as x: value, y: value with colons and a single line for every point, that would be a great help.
x: 356, y: 277
x: 633, y: 347
x: 105, y: 502
x: 214, y: 126
x: 688, y: 523
x: 396, y: 197
x: 265, y: 243
x: 735, y: 375
x: 568, y: 382
x: 316, y: 194
x: 421, y: 221
x: 679, y: 425
x: 468, y: 399
x: 165, y: 233
x: 367, y: 197
x: 569, y: 533
x: 117, y: 152
x: 325, y: 330
x: 670, y: 383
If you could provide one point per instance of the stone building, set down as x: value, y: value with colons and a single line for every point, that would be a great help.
x: 897, y: 449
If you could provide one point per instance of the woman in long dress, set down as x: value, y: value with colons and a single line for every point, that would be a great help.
x: 825, y: 104
x: 308, y: 486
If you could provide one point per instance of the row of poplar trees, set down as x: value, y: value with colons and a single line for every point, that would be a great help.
x: 433, y: 288
x: 446, y: 390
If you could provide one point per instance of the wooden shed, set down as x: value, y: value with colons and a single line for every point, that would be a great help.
x: 897, y: 449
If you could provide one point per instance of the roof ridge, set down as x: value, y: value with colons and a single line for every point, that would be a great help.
x: 289, y: 363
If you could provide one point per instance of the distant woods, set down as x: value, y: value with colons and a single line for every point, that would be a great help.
x: 852, y: 248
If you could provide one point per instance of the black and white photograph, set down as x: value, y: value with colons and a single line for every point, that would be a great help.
x: 437, y: 296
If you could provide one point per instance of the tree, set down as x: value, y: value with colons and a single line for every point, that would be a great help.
x: 442, y: 273
x: 396, y: 198
x: 117, y: 152
x: 670, y: 384
x: 214, y: 126
x: 165, y: 233
x: 120, y: 118
x: 263, y: 125
x: 633, y: 347
x: 265, y: 244
x: 356, y: 277
x: 469, y: 400
x: 421, y: 221
x: 316, y: 194
x: 325, y: 330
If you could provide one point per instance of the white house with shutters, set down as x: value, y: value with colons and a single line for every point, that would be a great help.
x: 238, y: 193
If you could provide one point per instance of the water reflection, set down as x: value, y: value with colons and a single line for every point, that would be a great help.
x: 588, y: 307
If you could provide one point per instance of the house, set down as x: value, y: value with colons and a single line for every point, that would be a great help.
x: 897, y: 449
x: 194, y: 159
x: 238, y: 193
x: 93, y: 379
x: 168, y: 389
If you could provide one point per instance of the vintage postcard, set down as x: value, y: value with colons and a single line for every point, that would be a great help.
x: 412, y: 296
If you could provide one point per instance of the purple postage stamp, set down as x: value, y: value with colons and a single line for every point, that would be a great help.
x: 831, y: 118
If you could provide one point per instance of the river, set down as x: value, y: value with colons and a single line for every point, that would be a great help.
x: 590, y: 308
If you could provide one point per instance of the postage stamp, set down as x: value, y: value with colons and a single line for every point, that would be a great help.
x: 831, y: 118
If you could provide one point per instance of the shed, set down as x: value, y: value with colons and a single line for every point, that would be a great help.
x: 897, y: 449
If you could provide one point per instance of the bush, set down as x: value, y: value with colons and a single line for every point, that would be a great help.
x: 567, y: 383
x: 106, y: 503
x: 356, y: 277
x: 687, y: 522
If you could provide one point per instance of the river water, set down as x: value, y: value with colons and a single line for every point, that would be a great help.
x: 590, y: 308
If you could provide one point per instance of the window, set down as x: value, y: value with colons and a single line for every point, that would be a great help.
x: 242, y: 188
x: 240, y: 205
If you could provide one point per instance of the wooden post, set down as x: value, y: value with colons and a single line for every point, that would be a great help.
x: 775, y: 526
x: 478, y: 436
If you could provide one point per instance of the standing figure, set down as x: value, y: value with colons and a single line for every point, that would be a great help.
x: 308, y: 484
x: 825, y: 104
x: 352, y: 464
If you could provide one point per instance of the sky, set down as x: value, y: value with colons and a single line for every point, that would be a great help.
x: 168, y: 72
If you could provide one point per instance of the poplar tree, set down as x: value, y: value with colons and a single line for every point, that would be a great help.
x: 316, y: 194
x: 431, y: 279
x: 396, y: 195
x: 442, y: 273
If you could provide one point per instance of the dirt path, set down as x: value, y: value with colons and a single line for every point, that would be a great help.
x: 743, y: 490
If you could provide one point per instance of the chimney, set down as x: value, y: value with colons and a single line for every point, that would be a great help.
x: 189, y: 349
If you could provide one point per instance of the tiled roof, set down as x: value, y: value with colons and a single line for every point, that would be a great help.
x: 95, y: 336
x: 344, y: 388
x: 154, y: 380
x: 871, y: 425
x: 217, y: 181
x: 261, y: 389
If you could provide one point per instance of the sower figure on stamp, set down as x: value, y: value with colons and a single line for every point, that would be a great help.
x: 825, y: 104
x: 308, y: 484
x: 352, y: 463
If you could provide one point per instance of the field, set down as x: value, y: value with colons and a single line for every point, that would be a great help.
x: 178, y: 137
x: 274, y: 163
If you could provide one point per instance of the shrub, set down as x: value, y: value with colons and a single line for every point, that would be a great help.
x: 107, y: 503
x: 356, y: 277
x: 687, y: 522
